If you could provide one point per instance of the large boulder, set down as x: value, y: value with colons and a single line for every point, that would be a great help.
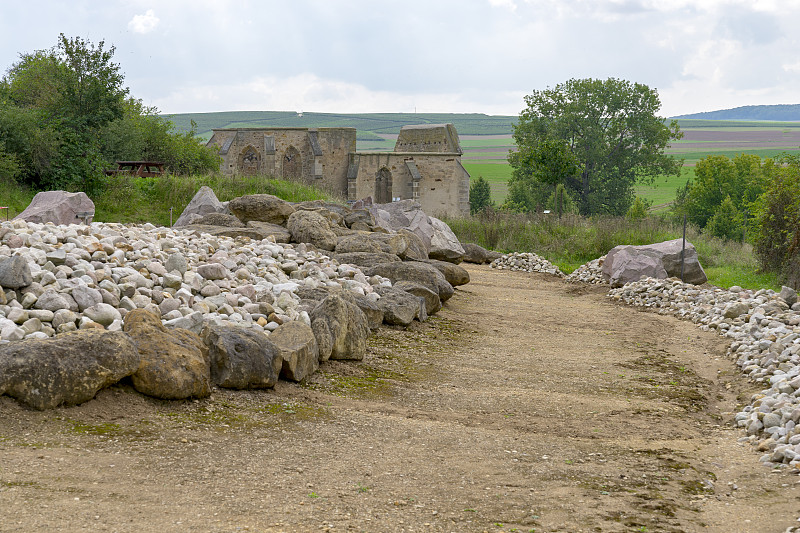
x: 68, y: 370
x: 15, y: 273
x: 627, y: 263
x: 341, y: 329
x: 241, y: 358
x: 311, y: 227
x: 298, y: 350
x: 174, y: 362
x: 444, y: 243
x: 366, y: 259
x: 422, y: 273
x: 203, y: 203
x: 220, y: 219
x: 279, y: 233
x: 261, y: 208
x: 454, y: 274
x: 431, y: 298
x: 389, y: 243
x: 58, y: 207
x: 399, y: 307
x: 406, y: 214
x: 479, y: 255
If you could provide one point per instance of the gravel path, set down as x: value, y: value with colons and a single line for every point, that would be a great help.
x: 526, y: 404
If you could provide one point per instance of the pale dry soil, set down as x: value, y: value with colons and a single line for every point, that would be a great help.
x: 526, y: 404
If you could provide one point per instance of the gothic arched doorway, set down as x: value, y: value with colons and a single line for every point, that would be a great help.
x: 292, y: 164
x: 249, y: 161
x: 383, y: 186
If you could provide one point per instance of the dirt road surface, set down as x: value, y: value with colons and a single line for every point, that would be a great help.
x: 527, y: 404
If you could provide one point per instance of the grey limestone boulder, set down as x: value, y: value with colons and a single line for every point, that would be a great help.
x: 406, y: 214
x: 69, y: 370
x: 341, y: 329
x: 279, y: 233
x: 422, y: 273
x: 241, y: 358
x: 58, y: 207
x: 311, y: 227
x: 399, y: 307
x: 479, y: 255
x: 220, y: 219
x: 444, y: 243
x: 298, y: 349
x: 632, y: 265
x: 366, y: 259
x: 261, y: 208
x: 174, y: 362
x: 15, y: 273
x: 454, y: 274
x: 431, y: 298
x: 203, y: 203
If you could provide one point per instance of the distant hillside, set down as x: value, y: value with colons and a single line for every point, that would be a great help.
x: 783, y: 112
x: 367, y: 124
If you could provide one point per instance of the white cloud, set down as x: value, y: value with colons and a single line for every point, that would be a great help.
x: 510, y: 4
x: 308, y: 92
x: 144, y: 23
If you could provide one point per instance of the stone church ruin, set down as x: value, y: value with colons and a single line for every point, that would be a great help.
x: 425, y: 165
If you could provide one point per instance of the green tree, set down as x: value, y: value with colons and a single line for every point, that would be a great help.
x: 638, y: 209
x: 598, y: 137
x: 777, y: 218
x: 479, y: 195
x: 742, y: 180
x: 727, y: 221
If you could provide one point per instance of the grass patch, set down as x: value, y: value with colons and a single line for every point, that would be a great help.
x: 572, y: 241
x: 129, y: 199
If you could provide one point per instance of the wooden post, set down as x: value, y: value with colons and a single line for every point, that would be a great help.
x: 683, y: 245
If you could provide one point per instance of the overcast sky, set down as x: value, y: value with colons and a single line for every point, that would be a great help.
x: 461, y: 56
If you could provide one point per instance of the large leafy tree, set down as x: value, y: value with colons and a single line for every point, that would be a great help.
x: 597, y: 137
x: 65, y: 116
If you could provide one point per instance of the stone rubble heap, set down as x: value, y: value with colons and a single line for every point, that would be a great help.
x: 525, y: 262
x: 92, y: 276
x: 591, y: 272
x: 764, y: 328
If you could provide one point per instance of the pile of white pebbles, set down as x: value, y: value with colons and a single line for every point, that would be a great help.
x: 526, y: 262
x: 92, y: 275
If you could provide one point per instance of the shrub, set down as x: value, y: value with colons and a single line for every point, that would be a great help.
x: 479, y: 195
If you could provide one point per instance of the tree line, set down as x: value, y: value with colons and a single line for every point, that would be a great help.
x: 584, y: 144
x: 66, y: 116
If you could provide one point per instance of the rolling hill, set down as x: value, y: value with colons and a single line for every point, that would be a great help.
x: 782, y: 113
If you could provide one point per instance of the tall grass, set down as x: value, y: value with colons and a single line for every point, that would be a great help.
x: 572, y: 240
x: 137, y: 200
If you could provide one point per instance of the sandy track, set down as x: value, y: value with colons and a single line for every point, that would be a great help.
x: 526, y: 404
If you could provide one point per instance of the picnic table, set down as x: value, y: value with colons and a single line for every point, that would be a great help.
x: 145, y: 169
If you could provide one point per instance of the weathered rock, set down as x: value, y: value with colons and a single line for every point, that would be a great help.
x: 366, y: 259
x: 632, y: 265
x: 341, y: 329
x: 68, y: 370
x: 15, y: 273
x: 174, y: 363
x: 298, y: 350
x: 422, y: 273
x: 102, y: 313
x: 371, y: 310
x: 279, y: 233
x: 479, y: 255
x: 225, y: 231
x: 220, y: 219
x: 241, y: 358
x: 176, y: 261
x: 262, y: 208
x: 406, y: 214
x: 311, y: 227
x: 444, y: 243
x: 431, y: 298
x: 667, y: 254
x: 359, y: 216
x: 454, y: 274
x: 203, y: 203
x: 788, y: 294
x: 416, y: 249
x: 360, y: 243
x: 213, y: 271
x: 736, y: 309
x: 51, y: 301
x: 399, y: 307
x: 58, y: 207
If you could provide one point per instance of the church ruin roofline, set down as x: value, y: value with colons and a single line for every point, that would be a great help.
x: 441, y: 154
